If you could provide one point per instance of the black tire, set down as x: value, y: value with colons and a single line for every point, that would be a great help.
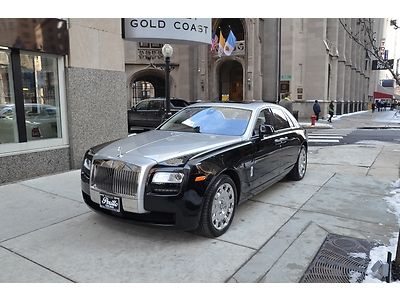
x: 208, y: 225
x: 297, y: 173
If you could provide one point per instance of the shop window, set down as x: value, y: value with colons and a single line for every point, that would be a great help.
x: 30, y: 101
x: 8, y: 121
x: 41, y: 96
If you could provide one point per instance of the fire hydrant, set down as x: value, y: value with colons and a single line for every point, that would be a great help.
x: 313, y: 119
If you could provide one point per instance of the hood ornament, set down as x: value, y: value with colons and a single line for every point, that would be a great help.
x: 119, y: 149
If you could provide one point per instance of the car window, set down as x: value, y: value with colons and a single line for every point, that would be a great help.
x: 280, y: 119
x: 260, y: 120
x: 179, y: 103
x: 211, y: 120
x: 155, y: 105
x: 142, y: 105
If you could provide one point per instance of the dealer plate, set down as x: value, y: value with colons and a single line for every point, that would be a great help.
x: 110, y: 202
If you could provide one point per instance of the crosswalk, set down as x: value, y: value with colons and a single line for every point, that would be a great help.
x: 328, y: 136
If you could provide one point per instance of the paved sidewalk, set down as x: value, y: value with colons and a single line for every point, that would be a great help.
x: 386, y: 118
x: 47, y: 234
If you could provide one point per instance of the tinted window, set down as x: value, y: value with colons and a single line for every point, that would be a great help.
x: 179, y: 103
x: 212, y: 120
x: 155, y: 105
x: 142, y: 105
x: 280, y: 119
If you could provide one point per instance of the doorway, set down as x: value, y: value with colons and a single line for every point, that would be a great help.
x: 231, y: 81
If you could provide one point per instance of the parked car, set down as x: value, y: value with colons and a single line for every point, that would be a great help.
x: 194, y: 169
x: 40, y: 120
x: 149, y: 113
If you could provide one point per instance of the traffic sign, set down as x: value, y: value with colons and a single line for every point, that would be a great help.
x: 380, y: 65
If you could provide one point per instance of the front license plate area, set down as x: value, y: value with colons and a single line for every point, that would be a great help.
x: 110, y: 202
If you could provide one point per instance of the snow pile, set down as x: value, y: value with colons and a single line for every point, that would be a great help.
x: 354, y: 276
x: 358, y: 255
x: 380, y: 253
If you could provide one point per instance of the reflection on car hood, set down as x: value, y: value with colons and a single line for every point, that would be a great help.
x: 159, y: 145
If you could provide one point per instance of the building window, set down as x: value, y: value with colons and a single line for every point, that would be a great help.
x: 8, y: 122
x: 31, y: 101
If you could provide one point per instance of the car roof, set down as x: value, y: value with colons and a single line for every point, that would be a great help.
x: 251, y: 105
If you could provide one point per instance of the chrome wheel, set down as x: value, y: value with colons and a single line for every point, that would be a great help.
x: 222, y: 206
x: 302, y: 163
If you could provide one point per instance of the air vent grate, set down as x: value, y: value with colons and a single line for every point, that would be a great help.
x: 340, y: 259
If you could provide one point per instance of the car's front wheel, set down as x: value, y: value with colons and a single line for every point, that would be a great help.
x: 219, y: 207
x: 299, y: 169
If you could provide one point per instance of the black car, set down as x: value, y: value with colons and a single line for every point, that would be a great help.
x: 149, y: 113
x: 196, y: 168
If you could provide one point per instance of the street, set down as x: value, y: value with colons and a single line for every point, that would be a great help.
x: 49, y: 235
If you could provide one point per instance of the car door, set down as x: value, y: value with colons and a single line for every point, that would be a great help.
x: 286, y: 138
x: 266, y: 165
x: 155, y: 113
x: 138, y: 115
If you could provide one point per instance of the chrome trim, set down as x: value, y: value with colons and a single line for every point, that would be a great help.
x: 116, y: 178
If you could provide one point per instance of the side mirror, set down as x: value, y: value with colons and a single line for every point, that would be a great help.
x: 265, y: 130
x: 133, y: 108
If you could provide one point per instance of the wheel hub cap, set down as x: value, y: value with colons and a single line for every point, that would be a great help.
x: 222, y: 207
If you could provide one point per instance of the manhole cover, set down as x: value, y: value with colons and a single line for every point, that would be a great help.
x: 340, y: 259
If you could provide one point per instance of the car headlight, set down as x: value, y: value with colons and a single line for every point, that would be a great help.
x: 87, y: 163
x: 167, y: 177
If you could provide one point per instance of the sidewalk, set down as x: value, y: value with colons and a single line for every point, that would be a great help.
x: 49, y: 235
x: 380, y: 119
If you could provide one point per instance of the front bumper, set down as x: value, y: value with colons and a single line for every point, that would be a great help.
x: 181, y: 211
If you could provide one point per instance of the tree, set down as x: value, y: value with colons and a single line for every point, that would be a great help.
x: 366, y: 36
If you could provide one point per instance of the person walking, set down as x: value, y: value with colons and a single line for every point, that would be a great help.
x: 373, y: 106
x: 287, y: 103
x: 316, y: 109
x: 331, y: 111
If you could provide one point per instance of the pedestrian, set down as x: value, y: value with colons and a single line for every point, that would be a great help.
x: 287, y: 103
x: 331, y: 111
x: 316, y: 109
x: 373, y: 106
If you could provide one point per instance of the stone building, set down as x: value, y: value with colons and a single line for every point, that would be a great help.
x: 313, y: 59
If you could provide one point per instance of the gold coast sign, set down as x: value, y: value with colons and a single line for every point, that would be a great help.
x: 196, y: 30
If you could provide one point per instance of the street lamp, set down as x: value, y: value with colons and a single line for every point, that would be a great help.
x: 167, y: 51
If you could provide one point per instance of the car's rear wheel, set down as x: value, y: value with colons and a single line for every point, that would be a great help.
x: 219, y: 207
x: 299, y: 169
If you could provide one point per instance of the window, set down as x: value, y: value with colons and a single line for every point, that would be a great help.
x: 8, y: 121
x: 31, y: 117
x: 41, y: 92
x: 155, y: 105
x: 280, y: 119
x: 142, y: 105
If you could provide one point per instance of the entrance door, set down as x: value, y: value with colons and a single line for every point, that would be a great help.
x: 231, y: 80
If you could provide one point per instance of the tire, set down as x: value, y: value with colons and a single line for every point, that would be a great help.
x: 217, y: 216
x: 299, y: 169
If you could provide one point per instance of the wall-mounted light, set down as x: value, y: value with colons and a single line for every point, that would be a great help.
x: 249, y: 83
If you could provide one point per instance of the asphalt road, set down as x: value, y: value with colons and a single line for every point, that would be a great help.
x: 334, y: 137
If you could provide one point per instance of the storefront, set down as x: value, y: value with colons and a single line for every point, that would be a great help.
x: 33, y: 115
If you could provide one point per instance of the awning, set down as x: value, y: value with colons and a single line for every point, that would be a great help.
x: 379, y: 95
x: 385, y: 93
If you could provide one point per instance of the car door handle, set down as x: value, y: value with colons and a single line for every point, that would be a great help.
x: 281, y: 141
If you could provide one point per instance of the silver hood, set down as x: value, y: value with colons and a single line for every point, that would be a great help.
x: 159, y: 146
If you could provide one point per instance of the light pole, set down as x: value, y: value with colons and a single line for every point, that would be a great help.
x: 167, y: 51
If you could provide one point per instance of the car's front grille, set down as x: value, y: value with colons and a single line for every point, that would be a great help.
x: 115, y: 177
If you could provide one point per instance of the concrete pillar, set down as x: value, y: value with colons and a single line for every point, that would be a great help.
x: 341, y: 69
x: 332, y: 36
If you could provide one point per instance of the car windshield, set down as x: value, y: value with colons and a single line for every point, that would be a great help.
x: 211, y: 120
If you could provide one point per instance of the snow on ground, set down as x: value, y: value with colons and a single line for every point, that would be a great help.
x: 358, y: 255
x: 380, y: 253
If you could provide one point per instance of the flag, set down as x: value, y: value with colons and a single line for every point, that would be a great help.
x: 221, y: 44
x: 214, y: 41
x: 230, y: 43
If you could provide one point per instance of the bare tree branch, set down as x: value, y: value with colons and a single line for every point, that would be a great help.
x: 371, y: 44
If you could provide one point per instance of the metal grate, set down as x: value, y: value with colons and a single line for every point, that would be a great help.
x: 337, y: 262
x: 115, y: 177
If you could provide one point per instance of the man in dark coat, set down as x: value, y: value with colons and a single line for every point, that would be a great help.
x: 316, y: 109
x: 287, y: 103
